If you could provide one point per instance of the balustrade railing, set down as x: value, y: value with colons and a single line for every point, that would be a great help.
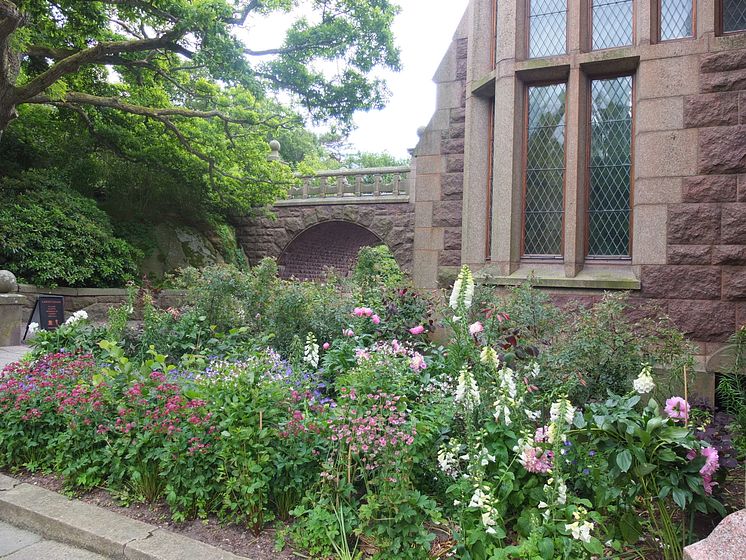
x: 348, y: 186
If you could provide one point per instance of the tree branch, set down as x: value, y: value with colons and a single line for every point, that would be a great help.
x: 152, y: 112
x: 242, y: 16
x: 294, y: 48
x: 93, y: 55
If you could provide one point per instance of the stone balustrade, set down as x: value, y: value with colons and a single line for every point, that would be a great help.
x: 352, y: 186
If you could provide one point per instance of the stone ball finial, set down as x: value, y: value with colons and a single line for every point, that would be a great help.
x: 421, y: 131
x: 274, y: 154
x: 8, y: 282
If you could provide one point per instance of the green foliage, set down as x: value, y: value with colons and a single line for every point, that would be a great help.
x: 54, y: 236
x: 380, y: 444
x: 645, y: 460
x: 606, y: 345
x: 731, y: 388
x: 584, y: 350
x: 376, y: 267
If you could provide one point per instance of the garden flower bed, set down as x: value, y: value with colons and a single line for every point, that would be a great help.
x: 324, y: 413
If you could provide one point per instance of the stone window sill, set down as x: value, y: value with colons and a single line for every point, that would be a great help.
x: 606, y: 278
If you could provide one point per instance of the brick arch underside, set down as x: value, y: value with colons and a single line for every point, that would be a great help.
x: 391, y: 223
x: 333, y: 244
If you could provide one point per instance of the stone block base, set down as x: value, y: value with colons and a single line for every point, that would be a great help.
x: 10, y: 319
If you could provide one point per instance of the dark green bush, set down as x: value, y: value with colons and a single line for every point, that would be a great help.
x: 53, y: 236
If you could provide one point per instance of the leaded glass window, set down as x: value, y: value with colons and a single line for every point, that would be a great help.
x: 734, y: 15
x: 676, y: 18
x: 547, y: 28
x: 612, y: 23
x: 610, y: 168
x: 545, y: 170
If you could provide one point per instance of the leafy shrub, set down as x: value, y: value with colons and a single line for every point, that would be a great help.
x: 54, y: 236
x: 731, y: 388
x: 584, y: 351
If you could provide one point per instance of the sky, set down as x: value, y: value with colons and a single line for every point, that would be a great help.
x: 423, y: 30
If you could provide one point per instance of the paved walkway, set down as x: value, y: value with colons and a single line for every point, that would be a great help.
x: 17, y: 544
x: 9, y: 354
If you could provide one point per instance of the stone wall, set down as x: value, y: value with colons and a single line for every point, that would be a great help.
x: 94, y: 301
x: 392, y: 223
x: 439, y: 168
x: 702, y: 285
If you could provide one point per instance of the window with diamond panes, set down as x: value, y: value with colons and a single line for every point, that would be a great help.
x: 612, y: 23
x: 676, y: 19
x: 734, y: 15
x: 547, y: 27
x: 610, y: 165
x: 545, y: 171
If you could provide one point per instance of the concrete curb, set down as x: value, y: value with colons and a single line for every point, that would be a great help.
x: 82, y: 525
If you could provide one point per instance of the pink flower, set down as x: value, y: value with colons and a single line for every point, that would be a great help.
x: 326, y: 346
x: 536, y: 461
x: 376, y: 319
x: 475, y: 328
x: 417, y: 362
x: 677, y: 409
x: 362, y: 312
x: 419, y: 329
x: 348, y: 332
x: 712, y: 464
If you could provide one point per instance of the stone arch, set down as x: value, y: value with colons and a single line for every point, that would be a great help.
x: 332, y: 243
x: 391, y: 223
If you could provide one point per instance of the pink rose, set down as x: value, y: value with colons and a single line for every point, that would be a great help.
x: 419, y: 329
x: 376, y: 319
x: 326, y: 346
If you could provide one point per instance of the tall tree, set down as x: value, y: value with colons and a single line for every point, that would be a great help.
x: 171, y: 62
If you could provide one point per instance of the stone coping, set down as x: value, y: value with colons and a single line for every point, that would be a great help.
x: 598, y: 279
x: 99, y: 530
x: 11, y: 299
x: 82, y: 292
x: 323, y: 201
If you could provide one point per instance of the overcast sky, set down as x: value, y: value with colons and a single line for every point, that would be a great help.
x: 423, y: 30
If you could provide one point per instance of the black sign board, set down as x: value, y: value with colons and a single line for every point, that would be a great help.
x: 48, y: 313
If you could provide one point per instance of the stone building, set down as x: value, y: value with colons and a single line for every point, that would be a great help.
x: 596, y: 145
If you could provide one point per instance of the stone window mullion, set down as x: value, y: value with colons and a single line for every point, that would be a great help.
x: 575, y: 164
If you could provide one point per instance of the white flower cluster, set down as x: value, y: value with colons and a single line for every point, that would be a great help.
x: 467, y: 390
x: 580, y: 528
x: 562, y: 409
x: 507, y: 395
x: 33, y: 328
x: 463, y: 289
x: 311, y: 351
x: 482, y: 500
x: 448, y: 460
x: 488, y: 357
x: 644, y: 383
x: 557, y: 490
x: 77, y: 316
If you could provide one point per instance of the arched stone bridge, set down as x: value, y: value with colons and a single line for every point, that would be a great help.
x: 326, y: 221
